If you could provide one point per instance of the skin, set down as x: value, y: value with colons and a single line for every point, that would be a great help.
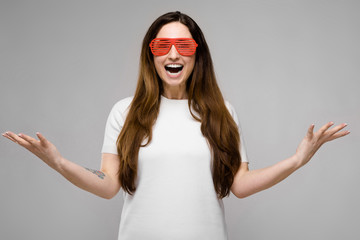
x: 248, y: 182
x: 106, y: 186
x: 105, y: 183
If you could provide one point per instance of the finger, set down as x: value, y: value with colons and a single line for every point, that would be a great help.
x: 337, y: 128
x: 310, y: 131
x: 18, y: 139
x: 325, y: 127
x: 42, y: 139
x: 12, y: 136
x: 8, y: 137
x: 338, y: 135
x: 31, y: 140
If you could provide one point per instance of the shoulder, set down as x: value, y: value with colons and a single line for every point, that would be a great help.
x: 120, y: 109
x: 230, y: 107
x: 232, y: 111
x: 122, y: 105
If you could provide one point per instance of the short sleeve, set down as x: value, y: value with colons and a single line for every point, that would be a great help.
x: 244, y: 157
x: 114, y: 124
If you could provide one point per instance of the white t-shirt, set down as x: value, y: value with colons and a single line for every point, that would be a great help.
x: 175, y: 196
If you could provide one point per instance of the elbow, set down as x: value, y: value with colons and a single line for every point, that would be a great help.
x: 241, y: 195
x: 239, y: 192
x: 108, y: 195
x: 112, y: 194
x: 245, y: 193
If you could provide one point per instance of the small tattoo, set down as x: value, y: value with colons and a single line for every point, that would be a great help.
x: 96, y: 172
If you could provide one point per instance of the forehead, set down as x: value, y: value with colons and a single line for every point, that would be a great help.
x: 174, y: 30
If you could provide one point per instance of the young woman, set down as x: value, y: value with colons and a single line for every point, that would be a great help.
x: 175, y: 147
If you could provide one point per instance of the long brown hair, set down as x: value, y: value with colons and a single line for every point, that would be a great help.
x: 204, y: 96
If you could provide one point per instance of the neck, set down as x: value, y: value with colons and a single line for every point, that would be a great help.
x: 175, y: 93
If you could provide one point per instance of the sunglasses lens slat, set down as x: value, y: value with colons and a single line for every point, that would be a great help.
x: 161, y: 46
x: 186, y: 47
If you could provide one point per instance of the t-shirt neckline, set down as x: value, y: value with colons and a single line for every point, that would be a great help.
x: 173, y: 100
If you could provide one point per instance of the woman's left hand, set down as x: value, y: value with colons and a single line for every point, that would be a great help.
x: 313, y: 141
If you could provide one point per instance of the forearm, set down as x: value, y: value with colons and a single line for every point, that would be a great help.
x: 254, y: 181
x: 93, y: 181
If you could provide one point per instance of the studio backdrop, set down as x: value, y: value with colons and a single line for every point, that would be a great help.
x: 282, y: 64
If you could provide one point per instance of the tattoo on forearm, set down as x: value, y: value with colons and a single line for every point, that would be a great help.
x: 96, y: 172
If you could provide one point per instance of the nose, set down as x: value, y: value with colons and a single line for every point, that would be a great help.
x: 173, y: 53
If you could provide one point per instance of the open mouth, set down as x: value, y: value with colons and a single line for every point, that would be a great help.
x: 174, y: 69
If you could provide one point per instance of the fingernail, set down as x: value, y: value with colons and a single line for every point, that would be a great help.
x: 20, y: 135
x: 345, y: 124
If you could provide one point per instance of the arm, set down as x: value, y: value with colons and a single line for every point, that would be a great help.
x: 103, y: 183
x: 248, y: 182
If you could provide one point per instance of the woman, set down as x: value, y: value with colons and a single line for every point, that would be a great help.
x: 174, y: 148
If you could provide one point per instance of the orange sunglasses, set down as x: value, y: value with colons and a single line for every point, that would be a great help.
x: 184, y: 46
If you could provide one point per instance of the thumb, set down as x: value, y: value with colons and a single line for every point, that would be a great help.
x: 310, y: 131
x: 42, y: 139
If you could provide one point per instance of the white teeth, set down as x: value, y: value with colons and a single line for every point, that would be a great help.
x: 173, y: 74
x: 174, y: 69
x: 174, y: 65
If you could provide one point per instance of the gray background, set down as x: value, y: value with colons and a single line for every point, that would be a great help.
x: 282, y: 64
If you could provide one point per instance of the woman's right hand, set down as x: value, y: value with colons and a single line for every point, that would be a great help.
x: 42, y: 148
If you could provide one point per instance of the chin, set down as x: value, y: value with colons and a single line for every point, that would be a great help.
x: 174, y: 83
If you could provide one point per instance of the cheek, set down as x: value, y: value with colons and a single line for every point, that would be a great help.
x: 158, y: 64
x: 191, y: 64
